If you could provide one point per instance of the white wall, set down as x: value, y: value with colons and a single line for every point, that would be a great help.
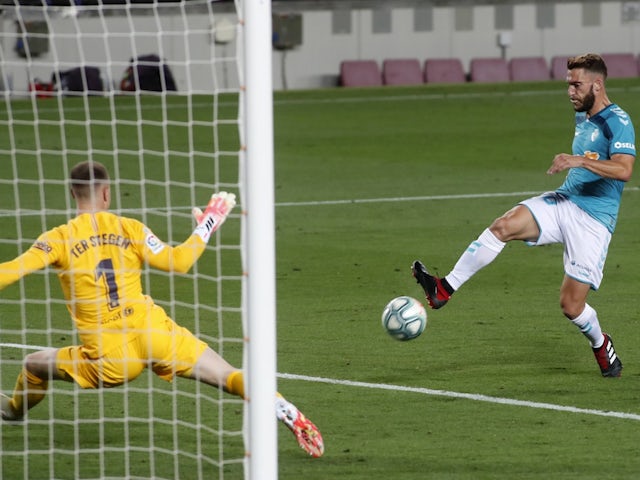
x: 317, y: 60
x: 108, y: 43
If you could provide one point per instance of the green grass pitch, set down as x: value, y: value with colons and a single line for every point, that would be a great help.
x: 499, y: 386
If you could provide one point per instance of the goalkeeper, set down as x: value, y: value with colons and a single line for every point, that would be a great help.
x: 99, y: 258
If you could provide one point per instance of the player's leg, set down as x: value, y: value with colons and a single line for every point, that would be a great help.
x: 176, y: 351
x: 573, y: 302
x: 573, y: 296
x: 68, y: 363
x: 32, y: 383
x: 516, y: 224
x: 214, y: 370
x: 586, y: 246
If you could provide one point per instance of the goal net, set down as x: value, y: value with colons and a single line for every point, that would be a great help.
x: 157, y: 93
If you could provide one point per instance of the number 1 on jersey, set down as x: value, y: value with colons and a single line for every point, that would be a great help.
x: 105, y: 269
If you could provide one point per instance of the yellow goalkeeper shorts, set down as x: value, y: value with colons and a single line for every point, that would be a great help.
x: 167, y: 348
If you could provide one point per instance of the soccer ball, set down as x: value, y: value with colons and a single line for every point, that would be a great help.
x: 404, y: 318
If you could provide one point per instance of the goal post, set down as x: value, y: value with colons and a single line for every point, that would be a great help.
x: 260, y: 245
x: 175, y: 98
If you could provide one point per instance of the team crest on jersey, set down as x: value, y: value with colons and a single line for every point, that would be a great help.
x: 595, y: 134
x: 153, y: 243
x: 44, y: 246
x: 592, y: 155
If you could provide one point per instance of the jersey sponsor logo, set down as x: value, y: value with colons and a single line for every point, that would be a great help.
x: 153, y: 243
x: 126, y: 312
x: 44, y: 246
x: 583, y: 271
x: 628, y: 145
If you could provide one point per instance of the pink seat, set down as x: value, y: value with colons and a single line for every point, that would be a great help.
x: 489, y: 70
x: 360, y: 73
x: 559, y: 67
x: 444, y: 70
x: 401, y: 71
x: 529, y: 69
x: 621, y: 65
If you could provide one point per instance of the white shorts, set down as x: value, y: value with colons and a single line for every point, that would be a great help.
x: 586, y: 241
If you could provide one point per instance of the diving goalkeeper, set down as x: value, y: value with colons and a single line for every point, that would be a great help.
x: 99, y: 258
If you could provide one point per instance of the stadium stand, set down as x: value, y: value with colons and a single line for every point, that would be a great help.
x: 406, y: 71
x: 621, y: 65
x: 444, y: 70
x: 529, y: 69
x: 401, y: 71
x: 360, y: 73
x: 489, y: 70
x: 559, y: 67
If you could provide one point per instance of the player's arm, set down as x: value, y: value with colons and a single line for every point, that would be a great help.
x: 30, y: 261
x: 618, y: 167
x: 182, y: 257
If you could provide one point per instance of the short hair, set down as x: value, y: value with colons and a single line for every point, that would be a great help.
x: 86, y: 176
x: 590, y: 62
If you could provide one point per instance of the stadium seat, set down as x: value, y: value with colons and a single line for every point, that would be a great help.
x: 621, y: 65
x: 529, y: 69
x: 360, y: 73
x: 401, y: 71
x: 444, y: 70
x: 489, y: 70
x: 559, y: 67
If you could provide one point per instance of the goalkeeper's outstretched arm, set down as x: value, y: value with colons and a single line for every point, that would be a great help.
x: 182, y: 257
x: 21, y: 266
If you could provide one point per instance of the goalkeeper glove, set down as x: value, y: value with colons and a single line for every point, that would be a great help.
x: 214, y: 215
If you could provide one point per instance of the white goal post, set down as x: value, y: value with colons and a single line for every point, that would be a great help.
x: 260, y: 248
x: 175, y: 98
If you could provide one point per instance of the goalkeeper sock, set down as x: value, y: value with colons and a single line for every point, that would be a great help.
x: 32, y: 391
x: 235, y: 383
x: 589, y: 325
x: 478, y: 254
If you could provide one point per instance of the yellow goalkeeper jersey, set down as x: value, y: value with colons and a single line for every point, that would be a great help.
x: 99, y: 259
